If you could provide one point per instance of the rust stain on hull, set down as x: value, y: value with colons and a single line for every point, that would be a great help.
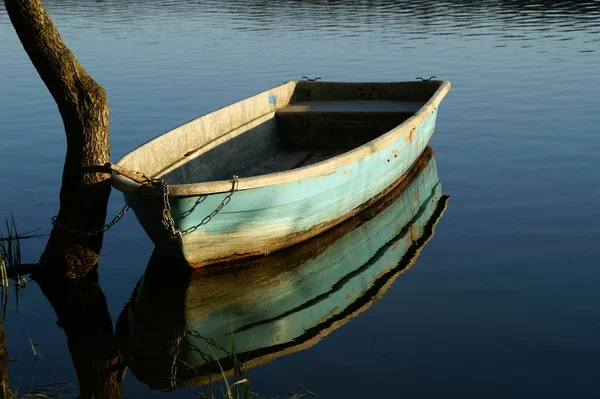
x: 328, y: 314
x: 333, y: 172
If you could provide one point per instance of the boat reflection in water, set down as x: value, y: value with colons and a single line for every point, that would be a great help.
x: 179, y: 319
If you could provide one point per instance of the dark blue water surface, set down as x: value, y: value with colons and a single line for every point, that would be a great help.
x: 504, y: 300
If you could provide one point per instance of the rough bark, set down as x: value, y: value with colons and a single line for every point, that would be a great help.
x: 80, y: 306
x: 83, y: 106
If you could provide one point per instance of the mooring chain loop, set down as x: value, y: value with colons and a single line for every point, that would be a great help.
x: 167, y: 218
x: 226, y: 200
x: 116, y: 219
x: 91, y: 232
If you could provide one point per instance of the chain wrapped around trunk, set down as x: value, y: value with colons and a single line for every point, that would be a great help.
x: 167, y: 218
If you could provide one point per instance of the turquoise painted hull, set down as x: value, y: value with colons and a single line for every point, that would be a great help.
x: 261, y: 220
x: 278, y: 304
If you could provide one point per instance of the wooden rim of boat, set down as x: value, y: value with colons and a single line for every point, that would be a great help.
x: 319, y: 169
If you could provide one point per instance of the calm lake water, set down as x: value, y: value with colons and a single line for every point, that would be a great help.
x: 503, y: 301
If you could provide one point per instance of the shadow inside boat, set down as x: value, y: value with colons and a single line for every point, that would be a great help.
x: 179, y: 320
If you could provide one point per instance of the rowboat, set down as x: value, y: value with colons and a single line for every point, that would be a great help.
x: 276, y: 168
x: 273, y: 306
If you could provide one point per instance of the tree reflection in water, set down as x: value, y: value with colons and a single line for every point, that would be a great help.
x: 80, y: 306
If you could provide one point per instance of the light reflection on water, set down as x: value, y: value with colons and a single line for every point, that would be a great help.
x: 505, y: 295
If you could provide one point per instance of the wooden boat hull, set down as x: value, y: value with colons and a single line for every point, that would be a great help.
x: 280, y: 304
x: 278, y: 210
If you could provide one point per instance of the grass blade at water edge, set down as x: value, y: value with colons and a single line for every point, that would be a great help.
x: 229, y: 394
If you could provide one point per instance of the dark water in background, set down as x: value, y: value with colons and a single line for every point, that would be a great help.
x: 502, y: 302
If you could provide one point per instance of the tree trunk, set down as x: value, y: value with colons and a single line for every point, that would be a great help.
x: 83, y: 106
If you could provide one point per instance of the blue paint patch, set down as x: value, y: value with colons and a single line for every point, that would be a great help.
x: 272, y: 99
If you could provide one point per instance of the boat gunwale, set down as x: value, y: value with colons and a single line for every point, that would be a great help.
x: 128, y: 186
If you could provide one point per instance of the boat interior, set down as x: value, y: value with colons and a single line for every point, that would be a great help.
x: 318, y: 121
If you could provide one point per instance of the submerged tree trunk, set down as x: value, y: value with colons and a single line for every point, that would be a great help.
x: 83, y: 106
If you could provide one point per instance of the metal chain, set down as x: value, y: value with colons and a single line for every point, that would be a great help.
x: 211, y: 342
x: 91, y: 232
x: 175, y: 348
x: 175, y: 353
x: 167, y: 218
x: 168, y: 221
x: 95, y: 232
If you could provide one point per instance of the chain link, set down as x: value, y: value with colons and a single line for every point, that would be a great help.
x: 211, y: 342
x: 175, y: 353
x: 226, y: 200
x: 167, y: 218
x: 175, y: 348
x: 91, y: 232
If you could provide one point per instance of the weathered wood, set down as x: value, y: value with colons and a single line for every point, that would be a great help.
x: 358, y: 91
x: 184, y: 144
x: 336, y: 129
x: 293, y: 184
x: 136, y: 177
x: 83, y: 106
x: 360, y: 107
